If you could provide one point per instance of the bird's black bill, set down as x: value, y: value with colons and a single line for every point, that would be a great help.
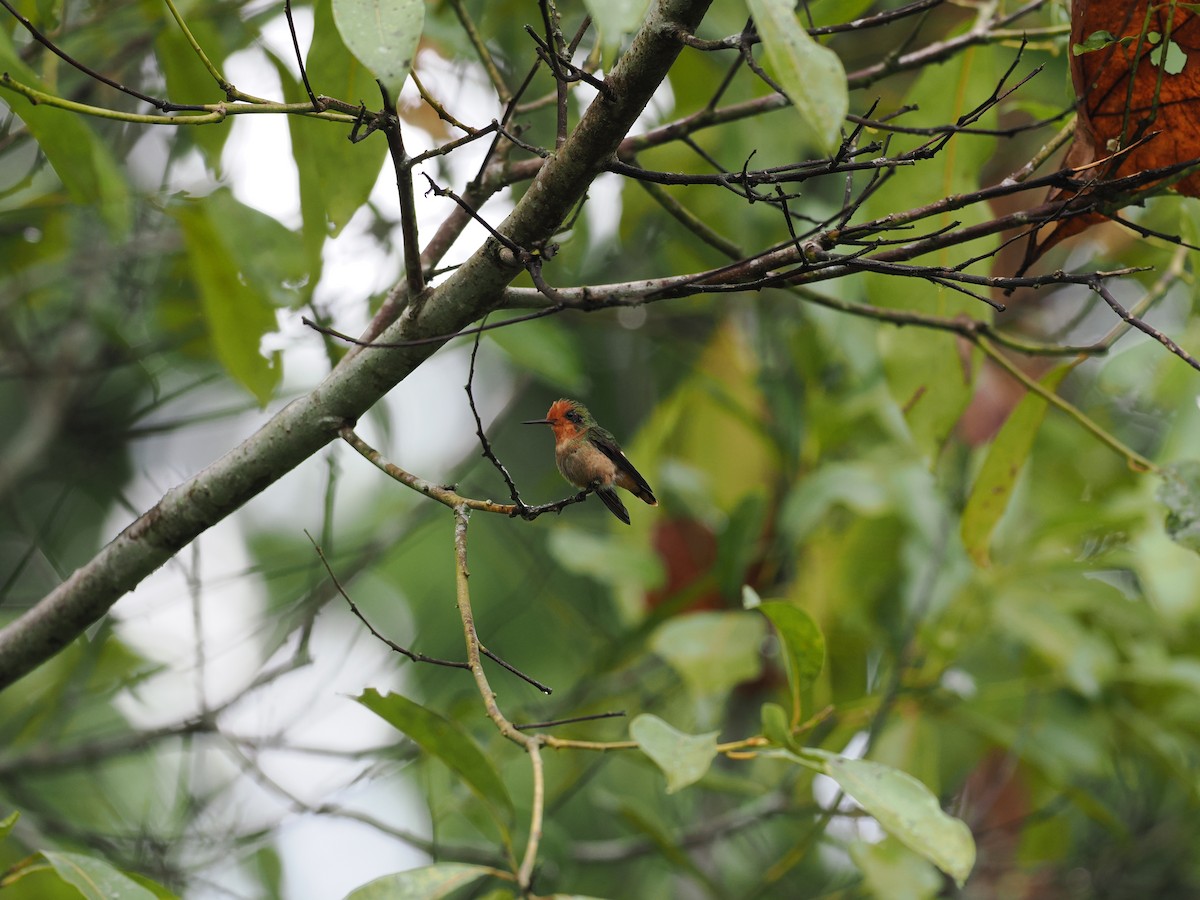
x: 537, y: 422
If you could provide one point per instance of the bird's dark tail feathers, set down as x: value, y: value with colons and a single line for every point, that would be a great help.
x: 610, y: 499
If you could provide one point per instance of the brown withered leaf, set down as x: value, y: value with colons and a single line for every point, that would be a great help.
x: 1138, y: 84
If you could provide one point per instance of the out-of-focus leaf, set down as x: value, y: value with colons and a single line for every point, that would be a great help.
x: 803, y: 644
x: 345, y: 173
x: 1180, y: 493
x: 640, y: 815
x: 616, y: 17
x: 96, y: 879
x: 547, y: 351
x: 739, y: 541
x: 711, y: 651
x: 893, y: 872
x: 775, y: 724
x: 811, y: 75
x: 189, y: 82
x: 237, y: 315
x: 857, y: 486
x: 444, y: 739
x: 266, y: 252
x: 383, y: 36
x: 608, y: 558
x: 994, y: 484
x: 426, y: 883
x: 906, y: 810
x: 269, y: 868
x: 1084, y: 655
x: 81, y: 160
x: 8, y: 823
x: 683, y: 758
x: 160, y: 892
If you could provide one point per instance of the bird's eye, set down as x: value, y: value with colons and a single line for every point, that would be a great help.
x: 574, y: 418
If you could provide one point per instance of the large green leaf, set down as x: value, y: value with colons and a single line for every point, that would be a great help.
x: 266, y: 252
x: 811, y: 75
x: 683, y: 758
x: 425, y: 883
x: 237, y: 314
x: 906, y: 810
x: 444, y: 739
x: 994, y: 484
x: 383, y: 36
x: 711, y: 651
x: 346, y: 172
x: 96, y: 879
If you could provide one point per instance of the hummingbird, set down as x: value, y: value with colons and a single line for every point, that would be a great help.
x: 590, y: 458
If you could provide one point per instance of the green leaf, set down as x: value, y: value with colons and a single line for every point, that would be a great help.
x: 907, y: 810
x: 739, y: 542
x: 775, y: 725
x: 683, y: 758
x: 237, y: 315
x: 266, y: 252
x: 615, y: 18
x: 711, y: 651
x: 425, y: 883
x: 383, y: 35
x: 811, y: 75
x: 8, y: 823
x: 803, y: 644
x: 892, y: 871
x: 1007, y: 454
x: 79, y: 157
x: 609, y: 558
x: 1097, y: 40
x: 547, y: 351
x: 96, y: 879
x: 189, y: 82
x: 337, y: 176
x: 1180, y: 493
x: 444, y: 739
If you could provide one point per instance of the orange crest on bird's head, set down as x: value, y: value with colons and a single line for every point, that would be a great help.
x: 568, y: 418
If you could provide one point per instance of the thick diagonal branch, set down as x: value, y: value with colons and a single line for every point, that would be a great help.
x: 309, y: 423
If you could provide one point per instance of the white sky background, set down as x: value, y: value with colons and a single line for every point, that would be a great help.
x: 323, y: 857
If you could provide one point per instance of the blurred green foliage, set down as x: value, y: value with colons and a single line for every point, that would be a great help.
x: 1000, y: 613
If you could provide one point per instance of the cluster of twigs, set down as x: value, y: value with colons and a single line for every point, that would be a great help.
x: 808, y: 251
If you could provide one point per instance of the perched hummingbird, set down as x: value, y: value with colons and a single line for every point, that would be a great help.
x: 590, y: 458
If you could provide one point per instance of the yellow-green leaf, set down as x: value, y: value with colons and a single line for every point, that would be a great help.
x: 994, y: 484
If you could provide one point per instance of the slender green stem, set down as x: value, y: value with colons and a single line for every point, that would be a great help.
x: 213, y: 112
x: 226, y: 86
